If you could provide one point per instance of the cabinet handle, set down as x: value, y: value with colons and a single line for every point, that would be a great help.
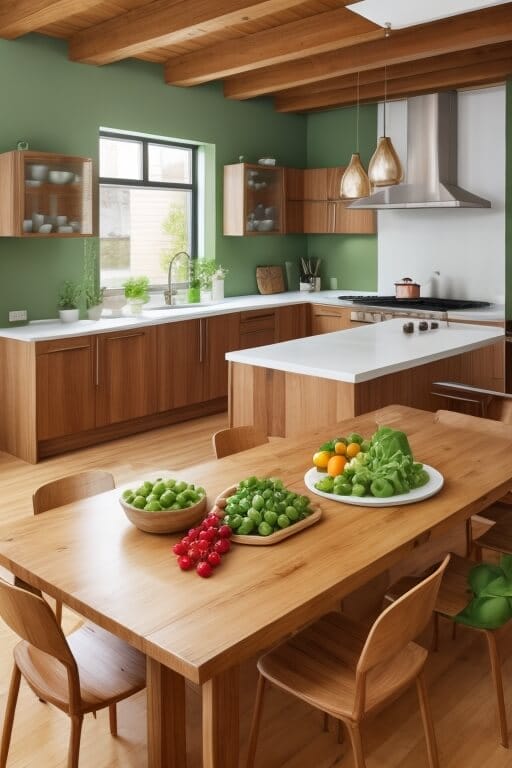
x: 338, y: 317
x: 259, y: 330
x: 66, y: 349
x: 258, y: 317
x: 201, y: 340
x: 205, y: 337
x: 334, y: 217
x: 97, y: 378
x: 125, y: 336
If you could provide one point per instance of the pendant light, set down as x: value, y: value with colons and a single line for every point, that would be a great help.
x: 385, y: 168
x: 355, y: 182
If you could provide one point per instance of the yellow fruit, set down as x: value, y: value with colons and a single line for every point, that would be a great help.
x: 321, y: 459
x: 340, y: 449
x: 336, y: 465
x: 352, y: 450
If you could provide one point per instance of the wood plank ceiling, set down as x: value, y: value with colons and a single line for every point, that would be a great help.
x: 306, y: 55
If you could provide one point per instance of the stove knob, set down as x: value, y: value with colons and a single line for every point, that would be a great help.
x: 423, y: 325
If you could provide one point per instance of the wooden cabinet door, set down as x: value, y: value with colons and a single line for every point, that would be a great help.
x: 291, y: 322
x: 294, y: 217
x: 326, y: 319
x: 294, y: 183
x: 126, y: 375
x: 315, y: 184
x: 315, y: 216
x: 65, y: 388
x: 334, y: 176
x: 344, y: 220
x: 221, y: 334
x: 180, y: 352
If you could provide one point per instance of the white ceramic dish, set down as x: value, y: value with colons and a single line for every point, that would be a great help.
x: 267, y: 161
x: 27, y: 225
x: 45, y: 229
x: 433, y: 486
x: 60, y: 177
x: 33, y: 183
x: 266, y: 225
x: 38, y: 172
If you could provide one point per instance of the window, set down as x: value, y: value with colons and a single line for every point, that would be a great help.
x: 148, y: 206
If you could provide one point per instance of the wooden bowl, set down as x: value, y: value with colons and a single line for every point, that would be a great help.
x: 166, y: 521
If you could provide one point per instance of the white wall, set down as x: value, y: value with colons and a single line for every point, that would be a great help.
x: 467, y: 246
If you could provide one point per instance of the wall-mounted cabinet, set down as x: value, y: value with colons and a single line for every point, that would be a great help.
x: 43, y: 194
x: 253, y: 200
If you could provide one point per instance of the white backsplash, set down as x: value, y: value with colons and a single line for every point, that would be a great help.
x: 466, y: 246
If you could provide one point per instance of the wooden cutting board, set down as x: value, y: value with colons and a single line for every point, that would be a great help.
x: 270, y: 279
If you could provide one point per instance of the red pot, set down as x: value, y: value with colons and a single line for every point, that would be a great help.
x: 407, y: 289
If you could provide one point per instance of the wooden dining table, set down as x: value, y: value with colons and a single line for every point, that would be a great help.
x: 88, y: 555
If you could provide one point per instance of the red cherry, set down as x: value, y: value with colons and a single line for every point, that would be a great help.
x: 212, y: 521
x: 214, y: 559
x: 185, y: 563
x: 224, y: 531
x: 222, y: 546
x: 193, y: 533
x: 186, y: 540
x: 180, y: 548
x: 203, y: 546
x: 194, y: 553
x: 204, y: 570
x: 208, y: 535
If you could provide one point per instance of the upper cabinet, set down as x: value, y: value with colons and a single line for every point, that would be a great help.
x: 43, y: 194
x: 253, y: 200
x: 324, y: 211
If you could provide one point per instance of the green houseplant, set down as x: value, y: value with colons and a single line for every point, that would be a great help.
x: 67, y: 302
x: 136, y: 293
x: 194, y: 283
x: 93, y: 293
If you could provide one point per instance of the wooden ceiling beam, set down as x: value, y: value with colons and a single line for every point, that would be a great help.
x: 291, y: 100
x: 19, y: 18
x: 471, y: 30
x: 475, y: 75
x: 316, y: 34
x: 164, y: 22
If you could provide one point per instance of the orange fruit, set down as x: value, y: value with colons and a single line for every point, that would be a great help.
x: 336, y: 465
x: 352, y: 450
x: 340, y: 449
x: 321, y: 459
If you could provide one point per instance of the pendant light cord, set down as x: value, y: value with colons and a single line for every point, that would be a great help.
x: 385, y: 94
x: 357, y: 116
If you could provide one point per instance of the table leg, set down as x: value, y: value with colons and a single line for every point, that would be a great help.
x: 221, y: 720
x: 166, y: 717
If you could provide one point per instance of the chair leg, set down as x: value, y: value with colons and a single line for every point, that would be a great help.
x: 9, y: 715
x: 428, y: 726
x: 326, y: 722
x: 435, y: 632
x: 112, y: 717
x: 357, y: 745
x: 256, y: 718
x: 494, y: 658
x: 58, y: 612
x: 74, y: 740
x: 341, y: 733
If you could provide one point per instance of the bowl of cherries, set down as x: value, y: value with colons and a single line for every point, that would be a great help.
x: 204, y: 546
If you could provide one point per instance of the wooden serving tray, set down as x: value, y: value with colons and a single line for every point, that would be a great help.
x: 274, y: 538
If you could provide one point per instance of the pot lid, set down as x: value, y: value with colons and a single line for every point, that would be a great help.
x: 407, y: 281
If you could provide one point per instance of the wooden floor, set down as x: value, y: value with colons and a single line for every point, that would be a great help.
x: 291, y: 735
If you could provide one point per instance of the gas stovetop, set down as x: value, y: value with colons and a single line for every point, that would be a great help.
x: 426, y: 302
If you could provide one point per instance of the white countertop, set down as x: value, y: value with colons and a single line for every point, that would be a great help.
x: 48, y: 330
x: 368, y: 352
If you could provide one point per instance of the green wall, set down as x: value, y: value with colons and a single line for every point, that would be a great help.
x: 57, y: 105
x: 331, y: 140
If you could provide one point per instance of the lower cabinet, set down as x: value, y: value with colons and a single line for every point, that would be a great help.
x: 327, y: 319
x: 126, y: 375
x: 192, y: 365
x: 292, y: 322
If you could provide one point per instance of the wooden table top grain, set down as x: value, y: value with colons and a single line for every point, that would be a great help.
x: 89, y: 555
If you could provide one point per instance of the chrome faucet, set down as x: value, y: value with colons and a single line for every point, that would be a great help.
x: 170, y: 293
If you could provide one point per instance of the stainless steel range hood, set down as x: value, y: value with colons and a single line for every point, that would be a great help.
x: 431, y: 160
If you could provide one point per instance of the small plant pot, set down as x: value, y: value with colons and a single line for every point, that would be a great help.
x: 217, y: 289
x: 194, y: 295
x: 135, y: 306
x: 94, y: 313
x: 69, y: 315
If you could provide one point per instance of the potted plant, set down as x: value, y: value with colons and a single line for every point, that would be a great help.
x: 136, y: 293
x: 218, y: 283
x: 93, y: 293
x: 69, y: 297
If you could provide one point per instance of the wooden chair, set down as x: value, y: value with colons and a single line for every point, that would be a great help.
x: 335, y: 666
x: 236, y: 439
x: 62, y: 491
x: 453, y: 597
x: 482, y: 402
x: 89, y: 670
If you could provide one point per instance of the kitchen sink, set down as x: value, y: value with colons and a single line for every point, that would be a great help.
x: 172, y: 307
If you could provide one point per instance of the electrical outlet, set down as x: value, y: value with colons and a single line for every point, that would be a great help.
x: 17, y: 315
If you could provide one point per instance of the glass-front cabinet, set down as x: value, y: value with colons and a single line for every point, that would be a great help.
x: 43, y: 194
x: 253, y: 199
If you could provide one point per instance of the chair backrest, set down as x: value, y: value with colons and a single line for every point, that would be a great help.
x: 32, y: 619
x: 474, y: 423
x: 71, y: 488
x: 397, y: 626
x: 236, y: 439
x: 484, y: 402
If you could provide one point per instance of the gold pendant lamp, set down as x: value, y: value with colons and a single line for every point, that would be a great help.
x: 385, y: 168
x: 355, y: 182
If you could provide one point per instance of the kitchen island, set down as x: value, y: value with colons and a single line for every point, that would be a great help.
x: 309, y: 383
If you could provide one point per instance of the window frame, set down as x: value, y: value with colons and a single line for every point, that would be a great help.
x: 147, y: 184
